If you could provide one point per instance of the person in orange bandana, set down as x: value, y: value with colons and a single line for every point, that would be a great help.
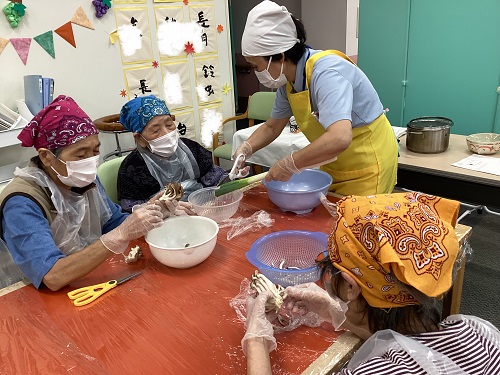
x: 391, y: 259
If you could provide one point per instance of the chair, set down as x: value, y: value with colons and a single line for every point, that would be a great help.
x: 259, y: 107
x: 111, y: 124
x: 108, y: 175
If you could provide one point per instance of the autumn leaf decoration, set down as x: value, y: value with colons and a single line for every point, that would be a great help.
x: 154, y: 64
x: 220, y: 28
x: 189, y: 48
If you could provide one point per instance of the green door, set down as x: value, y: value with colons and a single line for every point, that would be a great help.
x: 382, y: 46
x: 454, y: 62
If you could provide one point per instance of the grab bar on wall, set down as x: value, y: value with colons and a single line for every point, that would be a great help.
x: 496, y: 121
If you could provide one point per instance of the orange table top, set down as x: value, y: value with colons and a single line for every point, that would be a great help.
x: 175, y: 321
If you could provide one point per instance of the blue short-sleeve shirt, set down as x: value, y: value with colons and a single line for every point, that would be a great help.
x: 339, y: 91
x: 29, y: 238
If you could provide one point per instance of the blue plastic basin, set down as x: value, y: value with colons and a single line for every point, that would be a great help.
x: 301, y: 193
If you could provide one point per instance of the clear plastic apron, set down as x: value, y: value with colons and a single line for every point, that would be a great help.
x: 180, y: 167
x: 74, y: 227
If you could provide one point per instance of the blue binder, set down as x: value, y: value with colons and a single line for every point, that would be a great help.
x: 48, y: 91
x: 33, y: 93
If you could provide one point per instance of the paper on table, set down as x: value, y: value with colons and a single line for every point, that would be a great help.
x: 480, y: 163
x: 399, y: 131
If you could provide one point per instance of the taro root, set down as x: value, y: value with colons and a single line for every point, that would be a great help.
x: 173, y: 191
x: 261, y: 283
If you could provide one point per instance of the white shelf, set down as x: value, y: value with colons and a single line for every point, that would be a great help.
x: 9, y: 137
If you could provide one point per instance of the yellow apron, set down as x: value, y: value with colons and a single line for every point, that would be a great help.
x: 369, y: 165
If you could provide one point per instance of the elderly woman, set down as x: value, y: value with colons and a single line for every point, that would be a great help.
x: 391, y: 258
x: 56, y: 220
x: 334, y: 103
x: 161, y: 156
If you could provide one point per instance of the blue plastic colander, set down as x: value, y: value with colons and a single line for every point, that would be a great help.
x: 289, y: 248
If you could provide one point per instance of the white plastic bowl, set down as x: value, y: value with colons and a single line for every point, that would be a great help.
x: 206, y: 204
x: 183, y: 241
x: 483, y: 143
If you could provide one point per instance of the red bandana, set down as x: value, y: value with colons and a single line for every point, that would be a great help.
x: 60, y: 124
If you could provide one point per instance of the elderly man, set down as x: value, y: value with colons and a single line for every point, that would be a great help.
x: 56, y: 220
x: 161, y: 156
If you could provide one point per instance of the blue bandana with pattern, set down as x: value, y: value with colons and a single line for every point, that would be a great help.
x: 135, y: 115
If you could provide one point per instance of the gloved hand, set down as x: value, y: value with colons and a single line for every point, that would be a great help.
x: 257, y: 324
x: 244, y: 149
x: 282, y: 170
x: 137, y: 224
x: 310, y: 297
x: 171, y: 208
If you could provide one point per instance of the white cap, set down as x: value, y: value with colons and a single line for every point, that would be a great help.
x: 269, y: 30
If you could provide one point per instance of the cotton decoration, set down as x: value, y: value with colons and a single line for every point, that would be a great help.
x: 172, y: 88
x: 130, y: 39
x: 202, y: 93
x: 173, y: 37
x: 211, y: 121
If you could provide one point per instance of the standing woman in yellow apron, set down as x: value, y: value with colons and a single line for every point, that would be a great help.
x: 334, y: 104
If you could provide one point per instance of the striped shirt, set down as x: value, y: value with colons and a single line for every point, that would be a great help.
x: 470, y: 343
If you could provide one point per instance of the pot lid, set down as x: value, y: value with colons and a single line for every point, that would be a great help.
x: 430, y: 123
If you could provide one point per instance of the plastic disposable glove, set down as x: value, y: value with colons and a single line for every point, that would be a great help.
x: 172, y: 207
x: 257, y: 323
x: 244, y: 149
x: 282, y: 170
x: 137, y: 224
x: 310, y: 297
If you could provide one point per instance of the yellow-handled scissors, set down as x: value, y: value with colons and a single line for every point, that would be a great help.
x: 88, y: 294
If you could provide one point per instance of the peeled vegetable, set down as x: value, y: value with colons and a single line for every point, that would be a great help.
x: 173, y: 191
x: 261, y: 283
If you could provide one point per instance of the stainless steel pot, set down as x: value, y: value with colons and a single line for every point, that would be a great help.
x: 428, y: 135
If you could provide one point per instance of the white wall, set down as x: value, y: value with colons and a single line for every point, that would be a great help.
x: 91, y: 73
x: 325, y: 23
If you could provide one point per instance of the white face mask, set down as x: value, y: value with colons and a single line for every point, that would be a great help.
x: 267, y: 80
x: 165, y: 145
x: 80, y: 173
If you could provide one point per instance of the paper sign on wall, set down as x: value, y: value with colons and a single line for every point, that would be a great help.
x: 175, y: 1
x: 204, y: 16
x: 210, y: 123
x: 170, y: 36
x: 208, y: 85
x: 134, y: 34
x: 129, y: 1
x: 141, y: 82
x: 177, y: 85
x: 166, y: 14
x: 186, y: 125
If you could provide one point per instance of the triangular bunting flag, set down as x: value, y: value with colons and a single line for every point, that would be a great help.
x: 46, y: 41
x: 3, y: 43
x: 80, y: 18
x: 22, y: 47
x: 66, y: 32
x: 113, y: 37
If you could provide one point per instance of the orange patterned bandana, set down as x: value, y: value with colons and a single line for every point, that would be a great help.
x: 410, y: 235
